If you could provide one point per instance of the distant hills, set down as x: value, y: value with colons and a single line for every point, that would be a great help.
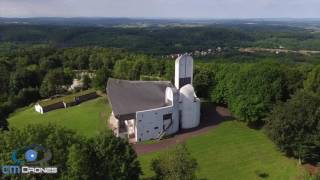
x: 149, y: 22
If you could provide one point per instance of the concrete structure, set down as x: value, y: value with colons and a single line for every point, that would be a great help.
x: 145, y: 110
x: 65, y: 102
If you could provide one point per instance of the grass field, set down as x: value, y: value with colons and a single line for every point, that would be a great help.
x: 87, y: 118
x: 233, y: 151
x: 230, y: 151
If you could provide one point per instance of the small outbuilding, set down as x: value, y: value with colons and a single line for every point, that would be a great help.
x: 49, y: 105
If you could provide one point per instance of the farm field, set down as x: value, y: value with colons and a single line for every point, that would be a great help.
x: 87, y: 118
x: 233, y: 151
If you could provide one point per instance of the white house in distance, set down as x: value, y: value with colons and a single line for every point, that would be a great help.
x: 145, y: 110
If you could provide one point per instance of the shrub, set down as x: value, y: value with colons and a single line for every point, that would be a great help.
x: 175, y: 164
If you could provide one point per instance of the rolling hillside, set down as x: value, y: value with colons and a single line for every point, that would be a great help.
x: 229, y: 151
x: 87, y: 118
x: 233, y: 151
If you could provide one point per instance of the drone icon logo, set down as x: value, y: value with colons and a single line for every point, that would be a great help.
x: 31, y: 155
x: 30, y: 160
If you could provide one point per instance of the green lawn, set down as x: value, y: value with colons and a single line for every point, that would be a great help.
x: 230, y: 151
x: 233, y: 151
x: 87, y: 118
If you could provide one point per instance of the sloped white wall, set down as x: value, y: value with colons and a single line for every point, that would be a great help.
x: 173, y: 96
x: 149, y: 123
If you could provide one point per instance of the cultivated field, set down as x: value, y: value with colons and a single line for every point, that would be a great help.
x: 87, y: 118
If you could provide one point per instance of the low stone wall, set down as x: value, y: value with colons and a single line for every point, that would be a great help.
x: 86, y: 97
x: 51, y: 107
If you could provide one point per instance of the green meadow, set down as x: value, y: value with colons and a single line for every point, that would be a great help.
x: 234, y: 151
x: 87, y: 118
x: 229, y: 151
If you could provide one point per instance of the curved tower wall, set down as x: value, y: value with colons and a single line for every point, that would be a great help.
x: 190, y: 108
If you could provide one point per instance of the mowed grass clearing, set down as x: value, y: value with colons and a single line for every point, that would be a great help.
x: 230, y: 151
x: 87, y: 118
x: 234, y: 151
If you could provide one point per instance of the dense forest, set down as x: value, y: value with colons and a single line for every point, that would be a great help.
x: 164, y: 40
x: 278, y: 92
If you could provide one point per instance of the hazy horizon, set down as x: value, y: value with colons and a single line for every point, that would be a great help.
x: 156, y: 18
x: 162, y: 9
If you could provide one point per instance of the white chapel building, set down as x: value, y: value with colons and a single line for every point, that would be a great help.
x: 146, y: 110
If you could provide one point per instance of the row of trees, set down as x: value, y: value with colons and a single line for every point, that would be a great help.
x: 283, y: 97
x: 295, y: 125
x: 249, y: 89
x: 28, y: 74
x: 102, y: 157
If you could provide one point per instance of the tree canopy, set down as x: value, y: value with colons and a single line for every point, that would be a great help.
x: 295, y: 126
x: 102, y: 157
x: 313, y: 80
x: 175, y: 164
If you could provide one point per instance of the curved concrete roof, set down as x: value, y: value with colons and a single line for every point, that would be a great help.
x: 188, y: 91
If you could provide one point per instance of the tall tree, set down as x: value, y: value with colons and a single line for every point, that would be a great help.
x: 257, y: 88
x: 203, y: 81
x: 86, y: 80
x: 101, y: 78
x: 55, y: 82
x: 295, y: 126
x: 175, y: 164
x: 114, y: 158
x: 23, y: 78
x: 313, y: 80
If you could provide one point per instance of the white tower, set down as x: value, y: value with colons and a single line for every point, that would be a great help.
x: 189, y: 104
x: 183, y: 71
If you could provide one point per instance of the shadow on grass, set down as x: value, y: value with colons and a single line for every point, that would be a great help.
x: 212, y: 114
x: 262, y: 175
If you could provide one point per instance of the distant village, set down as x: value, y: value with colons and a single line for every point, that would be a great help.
x: 215, y: 51
x: 198, y: 53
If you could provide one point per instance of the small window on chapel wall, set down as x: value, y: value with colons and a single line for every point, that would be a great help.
x: 167, y: 116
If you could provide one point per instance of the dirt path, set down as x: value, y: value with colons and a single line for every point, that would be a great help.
x: 209, y: 120
x: 313, y: 170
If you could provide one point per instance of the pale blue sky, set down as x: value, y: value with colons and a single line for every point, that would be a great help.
x: 162, y: 8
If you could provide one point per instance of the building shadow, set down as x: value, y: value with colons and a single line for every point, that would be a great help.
x: 212, y: 114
